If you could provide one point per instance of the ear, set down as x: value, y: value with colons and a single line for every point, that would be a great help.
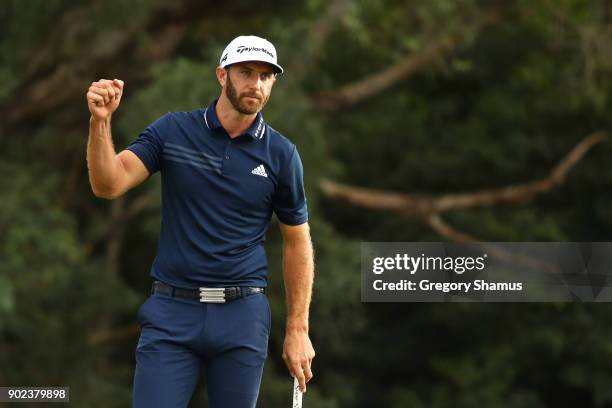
x: 221, y: 76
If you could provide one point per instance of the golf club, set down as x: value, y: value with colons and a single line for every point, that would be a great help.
x: 297, y: 394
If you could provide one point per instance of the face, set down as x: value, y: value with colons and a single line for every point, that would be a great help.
x: 248, y: 86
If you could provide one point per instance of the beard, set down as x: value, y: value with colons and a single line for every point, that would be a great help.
x: 240, y: 104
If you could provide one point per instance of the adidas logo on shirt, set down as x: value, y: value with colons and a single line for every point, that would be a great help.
x: 260, y: 171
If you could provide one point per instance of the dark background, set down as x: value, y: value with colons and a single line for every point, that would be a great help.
x: 424, y: 98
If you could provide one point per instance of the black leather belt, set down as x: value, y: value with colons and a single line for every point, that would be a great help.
x: 207, y: 295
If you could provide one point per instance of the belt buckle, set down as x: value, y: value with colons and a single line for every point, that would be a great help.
x: 212, y: 295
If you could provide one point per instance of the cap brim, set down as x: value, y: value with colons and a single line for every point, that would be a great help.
x: 277, y: 68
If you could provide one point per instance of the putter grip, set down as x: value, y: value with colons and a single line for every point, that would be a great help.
x: 297, y: 394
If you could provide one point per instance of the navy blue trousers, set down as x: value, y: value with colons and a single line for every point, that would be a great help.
x: 179, y: 337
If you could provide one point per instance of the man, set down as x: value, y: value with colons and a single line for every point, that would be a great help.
x: 224, y: 171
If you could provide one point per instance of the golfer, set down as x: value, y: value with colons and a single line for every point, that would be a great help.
x: 224, y: 171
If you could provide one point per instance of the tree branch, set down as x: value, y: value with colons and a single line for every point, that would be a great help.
x: 376, y: 83
x: 68, y: 79
x: 499, y: 252
x: 520, y: 193
x: 428, y: 209
x: 66, y: 62
x: 441, y: 227
x: 317, y: 35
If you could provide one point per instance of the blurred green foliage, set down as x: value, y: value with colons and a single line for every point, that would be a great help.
x: 500, y: 106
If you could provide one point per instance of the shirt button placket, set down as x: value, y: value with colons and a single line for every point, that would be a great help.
x: 227, y: 149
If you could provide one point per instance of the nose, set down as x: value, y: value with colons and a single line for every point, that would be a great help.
x: 255, y: 82
x: 254, y: 87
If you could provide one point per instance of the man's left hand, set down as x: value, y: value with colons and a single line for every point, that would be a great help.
x: 298, y: 354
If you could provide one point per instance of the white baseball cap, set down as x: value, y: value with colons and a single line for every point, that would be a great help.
x: 249, y: 48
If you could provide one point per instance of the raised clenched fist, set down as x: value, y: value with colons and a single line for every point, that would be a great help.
x: 103, y: 97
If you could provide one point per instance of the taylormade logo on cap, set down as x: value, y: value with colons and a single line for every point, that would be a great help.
x: 249, y: 48
x: 242, y: 49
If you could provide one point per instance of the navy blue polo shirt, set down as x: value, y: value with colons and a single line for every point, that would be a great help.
x: 218, y: 195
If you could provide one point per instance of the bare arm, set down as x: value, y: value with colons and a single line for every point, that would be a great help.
x: 298, y: 273
x: 110, y: 174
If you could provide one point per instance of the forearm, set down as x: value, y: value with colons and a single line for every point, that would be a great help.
x: 102, y: 162
x: 298, y: 272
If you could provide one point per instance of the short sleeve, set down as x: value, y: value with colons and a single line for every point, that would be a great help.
x: 289, y: 200
x: 149, y: 144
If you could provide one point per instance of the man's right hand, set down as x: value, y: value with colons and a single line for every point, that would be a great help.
x: 103, y: 97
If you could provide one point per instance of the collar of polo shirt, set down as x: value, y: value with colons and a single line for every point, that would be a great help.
x: 256, y: 130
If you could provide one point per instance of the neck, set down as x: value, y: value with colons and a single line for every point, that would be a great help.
x: 234, y: 122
